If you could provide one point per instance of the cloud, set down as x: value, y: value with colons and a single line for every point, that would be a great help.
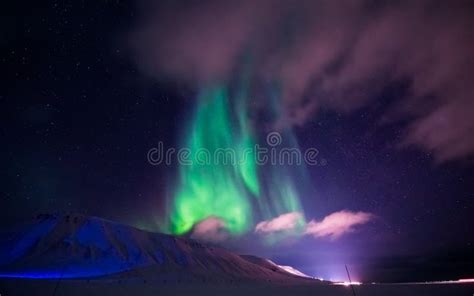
x: 332, y: 226
x: 212, y: 229
x: 284, y: 222
x: 337, y: 224
x: 327, y: 54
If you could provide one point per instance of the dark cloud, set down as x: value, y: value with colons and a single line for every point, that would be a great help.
x: 330, y: 54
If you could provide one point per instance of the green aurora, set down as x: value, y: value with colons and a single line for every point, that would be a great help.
x: 239, y: 191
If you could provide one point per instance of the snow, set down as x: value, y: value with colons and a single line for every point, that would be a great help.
x: 76, y: 246
x: 77, y: 255
x: 294, y: 271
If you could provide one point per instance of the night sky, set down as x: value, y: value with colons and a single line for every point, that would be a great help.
x: 383, y: 91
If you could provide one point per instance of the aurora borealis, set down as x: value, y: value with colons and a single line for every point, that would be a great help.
x: 215, y: 189
x: 229, y: 189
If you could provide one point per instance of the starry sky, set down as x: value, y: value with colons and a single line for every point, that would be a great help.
x: 88, y: 87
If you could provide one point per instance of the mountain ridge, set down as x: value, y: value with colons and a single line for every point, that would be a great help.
x: 78, y: 246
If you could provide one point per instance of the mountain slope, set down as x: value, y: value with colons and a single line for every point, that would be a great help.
x: 75, y: 246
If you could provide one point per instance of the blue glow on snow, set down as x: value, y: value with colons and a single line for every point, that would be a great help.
x: 92, y: 234
x: 57, y: 275
x: 24, y: 240
x: 74, y: 247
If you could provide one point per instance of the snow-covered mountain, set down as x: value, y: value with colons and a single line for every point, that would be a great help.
x: 75, y: 246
